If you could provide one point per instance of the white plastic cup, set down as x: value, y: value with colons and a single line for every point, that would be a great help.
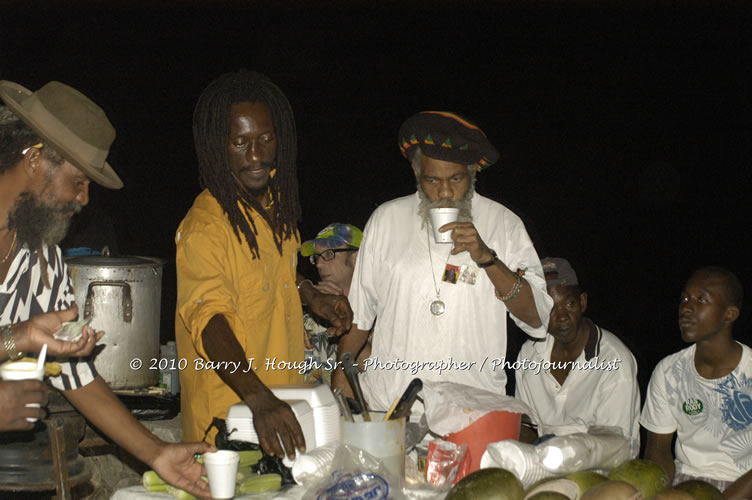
x: 222, y: 471
x: 384, y: 439
x: 22, y: 370
x: 439, y: 217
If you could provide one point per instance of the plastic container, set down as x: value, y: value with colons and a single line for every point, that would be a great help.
x: 168, y: 370
x: 319, y: 397
x: 385, y: 440
x: 239, y: 422
x: 490, y: 428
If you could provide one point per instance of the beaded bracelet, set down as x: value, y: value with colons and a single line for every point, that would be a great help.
x: 515, y: 289
x: 10, y: 343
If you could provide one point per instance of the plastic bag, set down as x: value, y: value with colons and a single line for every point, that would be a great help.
x: 451, y: 407
x: 443, y: 462
x: 354, y: 474
x: 267, y: 465
x: 599, y: 448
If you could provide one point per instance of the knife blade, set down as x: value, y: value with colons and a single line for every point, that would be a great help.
x: 351, y: 372
x: 405, y: 403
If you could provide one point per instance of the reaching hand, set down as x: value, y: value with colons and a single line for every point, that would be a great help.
x: 176, y: 465
x: 32, y: 334
x: 274, y: 421
x: 14, y: 396
x: 335, y: 309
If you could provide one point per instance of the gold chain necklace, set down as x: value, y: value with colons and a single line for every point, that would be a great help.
x: 12, y: 247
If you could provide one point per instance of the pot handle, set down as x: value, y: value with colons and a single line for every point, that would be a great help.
x: 127, y: 301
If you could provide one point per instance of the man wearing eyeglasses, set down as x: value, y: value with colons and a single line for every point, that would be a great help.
x: 334, y: 252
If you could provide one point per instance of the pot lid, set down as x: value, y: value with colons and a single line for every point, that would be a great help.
x: 121, y: 261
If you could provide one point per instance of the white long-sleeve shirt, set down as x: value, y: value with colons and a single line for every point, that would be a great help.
x: 393, y: 282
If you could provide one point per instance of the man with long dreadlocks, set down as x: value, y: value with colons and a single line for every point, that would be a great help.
x: 239, y: 315
x: 442, y: 308
x: 53, y: 142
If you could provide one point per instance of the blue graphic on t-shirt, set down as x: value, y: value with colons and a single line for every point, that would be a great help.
x: 736, y: 402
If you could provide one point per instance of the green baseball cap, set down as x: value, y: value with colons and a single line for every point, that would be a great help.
x: 332, y: 236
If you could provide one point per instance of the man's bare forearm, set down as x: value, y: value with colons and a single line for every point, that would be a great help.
x: 220, y: 345
x: 522, y: 305
x: 104, y: 410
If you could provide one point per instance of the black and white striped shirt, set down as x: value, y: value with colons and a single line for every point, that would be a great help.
x: 23, y: 295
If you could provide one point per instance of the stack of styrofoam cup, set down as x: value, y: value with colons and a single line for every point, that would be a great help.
x: 518, y: 458
x: 314, y: 464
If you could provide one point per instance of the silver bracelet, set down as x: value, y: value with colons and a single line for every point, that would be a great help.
x: 10, y: 343
x: 300, y: 285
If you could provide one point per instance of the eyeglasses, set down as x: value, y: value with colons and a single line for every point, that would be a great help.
x: 328, y: 255
x: 34, y: 146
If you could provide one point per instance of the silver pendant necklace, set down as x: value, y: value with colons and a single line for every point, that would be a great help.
x: 437, y: 306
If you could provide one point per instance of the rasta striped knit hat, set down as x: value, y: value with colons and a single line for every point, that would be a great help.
x: 446, y: 136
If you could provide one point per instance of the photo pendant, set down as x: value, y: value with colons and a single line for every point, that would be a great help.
x: 437, y: 307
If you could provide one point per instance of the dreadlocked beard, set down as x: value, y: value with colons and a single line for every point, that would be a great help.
x: 37, y: 223
x: 465, y: 205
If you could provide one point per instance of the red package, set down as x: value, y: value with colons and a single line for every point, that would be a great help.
x: 446, y: 462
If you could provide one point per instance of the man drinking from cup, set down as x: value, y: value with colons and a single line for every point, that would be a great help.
x: 442, y: 307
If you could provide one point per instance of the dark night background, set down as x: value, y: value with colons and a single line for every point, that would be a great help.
x: 624, y: 131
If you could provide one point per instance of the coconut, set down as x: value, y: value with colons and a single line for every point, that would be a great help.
x: 645, y: 475
x: 492, y: 483
x: 612, y: 490
x: 548, y: 495
x: 673, y: 494
x: 561, y: 486
x: 586, y: 479
x: 700, y: 490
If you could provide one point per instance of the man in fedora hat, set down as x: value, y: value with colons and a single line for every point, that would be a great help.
x: 442, y: 308
x: 53, y: 142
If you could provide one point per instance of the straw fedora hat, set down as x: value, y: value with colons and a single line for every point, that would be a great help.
x: 70, y: 123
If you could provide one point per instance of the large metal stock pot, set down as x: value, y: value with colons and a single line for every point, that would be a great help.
x: 123, y: 294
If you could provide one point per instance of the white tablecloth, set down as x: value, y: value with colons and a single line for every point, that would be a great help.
x: 140, y: 493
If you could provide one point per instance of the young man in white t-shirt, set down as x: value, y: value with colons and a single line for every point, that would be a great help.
x: 704, y: 393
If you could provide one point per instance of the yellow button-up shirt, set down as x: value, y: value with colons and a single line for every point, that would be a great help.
x: 216, y: 274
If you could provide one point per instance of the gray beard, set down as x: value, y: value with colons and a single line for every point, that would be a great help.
x: 465, y: 205
x: 38, y: 224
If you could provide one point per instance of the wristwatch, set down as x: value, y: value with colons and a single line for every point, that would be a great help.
x: 490, y: 263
